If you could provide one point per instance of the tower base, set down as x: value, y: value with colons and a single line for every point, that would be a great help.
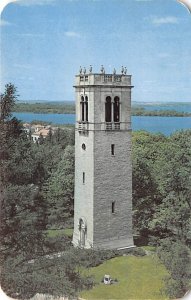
x: 112, y: 244
x: 115, y: 244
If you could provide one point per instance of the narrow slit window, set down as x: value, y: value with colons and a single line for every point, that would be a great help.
x: 113, y: 207
x: 84, y: 177
x: 112, y: 149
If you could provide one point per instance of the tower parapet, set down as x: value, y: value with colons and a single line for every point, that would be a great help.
x: 103, y: 78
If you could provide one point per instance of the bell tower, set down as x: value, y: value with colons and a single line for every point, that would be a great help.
x: 103, y: 171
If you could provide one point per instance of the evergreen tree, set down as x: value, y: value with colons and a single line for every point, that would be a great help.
x: 29, y: 263
x: 59, y: 190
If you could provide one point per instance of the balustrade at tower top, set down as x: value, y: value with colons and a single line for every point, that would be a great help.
x: 89, y: 78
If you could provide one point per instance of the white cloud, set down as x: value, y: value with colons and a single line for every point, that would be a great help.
x: 72, y: 34
x: 164, y: 20
x: 35, y: 2
x: 30, y: 35
x: 4, y: 23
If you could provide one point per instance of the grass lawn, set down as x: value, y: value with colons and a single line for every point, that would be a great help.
x: 58, y: 232
x: 149, y: 248
x: 138, y: 278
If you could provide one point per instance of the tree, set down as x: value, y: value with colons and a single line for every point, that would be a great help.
x: 28, y: 259
x: 176, y: 256
x: 23, y: 222
x: 162, y: 201
x: 172, y: 218
x: 49, y: 136
x: 63, y: 137
x: 40, y: 141
x: 173, y: 215
x: 161, y: 184
x: 59, y: 190
x: 146, y: 196
x: 23, y: 213
x: 8, y: 100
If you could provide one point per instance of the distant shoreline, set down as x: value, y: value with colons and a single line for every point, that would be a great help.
x: 69, y: 108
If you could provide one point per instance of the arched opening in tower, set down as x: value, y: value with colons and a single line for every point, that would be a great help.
x: 108, y: 109
x: 82, y: 108
x: 116, y: 111
x: 86, y: 104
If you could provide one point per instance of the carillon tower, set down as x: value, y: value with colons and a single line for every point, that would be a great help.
x: 103, y: 171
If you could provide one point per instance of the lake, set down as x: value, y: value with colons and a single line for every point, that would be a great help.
x: 165, y: 125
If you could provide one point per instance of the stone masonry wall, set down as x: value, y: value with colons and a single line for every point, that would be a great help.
x: 112, y: 183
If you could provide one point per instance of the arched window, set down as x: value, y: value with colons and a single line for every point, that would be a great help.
x: 82, y: 225
x: 108, y: 109
x: 86, y: 103
x: 116, y: 111
x: 82, y: 108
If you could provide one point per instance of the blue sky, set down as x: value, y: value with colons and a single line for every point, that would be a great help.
x: 44, y: 42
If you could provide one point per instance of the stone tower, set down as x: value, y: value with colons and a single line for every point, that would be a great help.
x: 103, y: 171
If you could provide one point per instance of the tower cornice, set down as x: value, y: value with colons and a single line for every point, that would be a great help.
x: 103, y: 85
x: 103, y: 79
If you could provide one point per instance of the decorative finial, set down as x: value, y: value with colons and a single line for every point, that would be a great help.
x: 80, y: 70
x: 122, y: 70
x: 90, y: 69
x: 102, y: 69
x: 114, y: 71
x: 125, y: 71
x: 84, y: 70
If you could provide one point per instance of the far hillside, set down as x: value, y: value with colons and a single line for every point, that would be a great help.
x: 64, y: 107
x: 176, y: 106
x: 168, y: 109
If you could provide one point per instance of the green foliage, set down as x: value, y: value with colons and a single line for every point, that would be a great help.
x: 146, y: 196
x: 57, y: 276
x: 161, y: 180
x: 176, y: 256
x: 172, y: 288
x: 141, y: 111
x: 63, y: 137
x: 46, y: 107
x: 8, y: 100
x: 162, y: 201
x: 173, y: 222
x: 28, y: 257
x: 23, y: 221
x: 59, y: 190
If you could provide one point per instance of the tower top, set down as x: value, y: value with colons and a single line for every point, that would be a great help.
x: 103, y: 78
